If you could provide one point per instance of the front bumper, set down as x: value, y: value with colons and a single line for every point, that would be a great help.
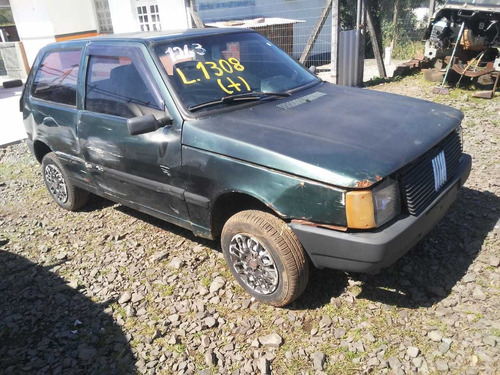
x: 369, y: 251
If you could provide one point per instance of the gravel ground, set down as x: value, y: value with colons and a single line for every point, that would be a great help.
x: 110, y: 290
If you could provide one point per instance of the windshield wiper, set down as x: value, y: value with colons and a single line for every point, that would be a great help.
x: 255, y: 95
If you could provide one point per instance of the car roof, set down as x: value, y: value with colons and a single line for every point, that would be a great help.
x: 151, y: 37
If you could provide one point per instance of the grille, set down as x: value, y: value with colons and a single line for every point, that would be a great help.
x: 419, y: 183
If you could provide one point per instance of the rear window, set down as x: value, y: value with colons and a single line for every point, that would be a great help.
x: 56, y: 77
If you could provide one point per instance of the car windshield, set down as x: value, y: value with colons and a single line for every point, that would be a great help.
x: 205, y: 70
x: 474, y: 2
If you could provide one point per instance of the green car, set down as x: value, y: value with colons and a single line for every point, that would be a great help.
x: 222, y: 133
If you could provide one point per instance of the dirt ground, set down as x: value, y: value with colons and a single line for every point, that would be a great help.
x: 110, y: 290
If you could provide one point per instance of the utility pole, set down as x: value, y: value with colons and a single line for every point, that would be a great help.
x: 335, y: 41
x: 432, y: 8
x: 360, y: 26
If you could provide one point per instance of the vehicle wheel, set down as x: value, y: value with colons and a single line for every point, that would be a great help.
x: 60, y: 186
x: 265, y: 257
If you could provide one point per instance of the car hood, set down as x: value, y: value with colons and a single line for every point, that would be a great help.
x: 347, y: 137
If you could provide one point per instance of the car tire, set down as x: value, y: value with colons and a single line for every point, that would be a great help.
x: 12, y: 83
x: 59, y: 185
x: 276, y: 272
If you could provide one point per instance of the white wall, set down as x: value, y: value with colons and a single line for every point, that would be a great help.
x: 34, y: 25
x: 71, y: 16
x: 173, y: 14
x: 123, y: 16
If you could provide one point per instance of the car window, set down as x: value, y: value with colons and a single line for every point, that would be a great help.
x: 207, y: 67
x: 56, y: 77
x: 115, y: 87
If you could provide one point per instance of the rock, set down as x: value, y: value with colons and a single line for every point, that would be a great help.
x: 319, y: 360
x: 394, y: 363
x: 136, y: 297
x: 130, y: 311
x: 490, y: 340
x: 413, y: 352
x: 87, y: 353
x: 255, y: 344
x: 417, y: 362
x: 211, y: 359
x: 442, y: 366
x: 160, y: 255
x: 264, y: 366
x: 435, y: 335
x: 494, y: 261
x: 339, y: 333
x: 444, y: 346
x: 248, y: 368
x: 125, y: 297
x: 273, y: 340
x: 217, y: 284
x: 478, y: 294
x: 209, y: 321
x: 373, y: 362
x: 174, y: 318
x: 325, y: 322
x: 176, y: 263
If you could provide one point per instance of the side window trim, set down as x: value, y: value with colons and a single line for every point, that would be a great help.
x: 111, y: 50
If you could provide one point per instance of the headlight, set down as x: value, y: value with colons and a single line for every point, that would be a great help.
x: 367, y: 209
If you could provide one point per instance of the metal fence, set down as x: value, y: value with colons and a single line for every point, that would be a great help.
x: 12, y: 63
x: 290, y: 23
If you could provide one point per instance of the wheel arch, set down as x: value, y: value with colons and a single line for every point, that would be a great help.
x: 229, y: 203
x: 40, y: 149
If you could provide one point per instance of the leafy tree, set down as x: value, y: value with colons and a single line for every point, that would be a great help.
x: 6, y: 18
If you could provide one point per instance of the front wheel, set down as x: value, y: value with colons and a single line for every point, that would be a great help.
x: 265, y: 257
x: 60, y: 186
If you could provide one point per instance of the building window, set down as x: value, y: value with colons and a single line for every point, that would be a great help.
x: 149, y: 17
x: 103, y: 16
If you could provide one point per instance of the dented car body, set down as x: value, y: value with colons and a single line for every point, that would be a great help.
x: 220, y: 132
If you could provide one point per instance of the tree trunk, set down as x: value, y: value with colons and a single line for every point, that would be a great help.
x: 374, y: 39
x: 395, y: 23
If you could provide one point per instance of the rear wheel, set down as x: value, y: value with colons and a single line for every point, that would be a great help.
x: 265, y: 257
x: 59, y: 185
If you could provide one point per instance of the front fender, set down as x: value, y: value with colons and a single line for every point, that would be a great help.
x: 208, y: 175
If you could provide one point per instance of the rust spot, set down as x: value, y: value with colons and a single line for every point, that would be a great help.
x: 318, y: 225
x: 364, y: 183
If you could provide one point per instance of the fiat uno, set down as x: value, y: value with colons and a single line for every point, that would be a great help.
x: 221, y: 132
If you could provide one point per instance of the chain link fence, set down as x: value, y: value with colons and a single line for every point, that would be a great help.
x: 290, y: 23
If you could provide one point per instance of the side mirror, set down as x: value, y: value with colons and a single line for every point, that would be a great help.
x: 312, y: 69
x: 146, y: 124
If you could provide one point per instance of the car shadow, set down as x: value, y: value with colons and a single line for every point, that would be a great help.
x: 429, y: 271
x: 169, y: 227
x: 46, y: 326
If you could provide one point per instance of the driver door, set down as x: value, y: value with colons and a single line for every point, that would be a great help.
x: 143, y: 171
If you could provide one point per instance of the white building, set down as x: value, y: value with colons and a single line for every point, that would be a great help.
x: 40, y: 22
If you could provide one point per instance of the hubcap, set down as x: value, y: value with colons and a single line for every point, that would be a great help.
x: 253, y: 263
x: 56, y: 183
